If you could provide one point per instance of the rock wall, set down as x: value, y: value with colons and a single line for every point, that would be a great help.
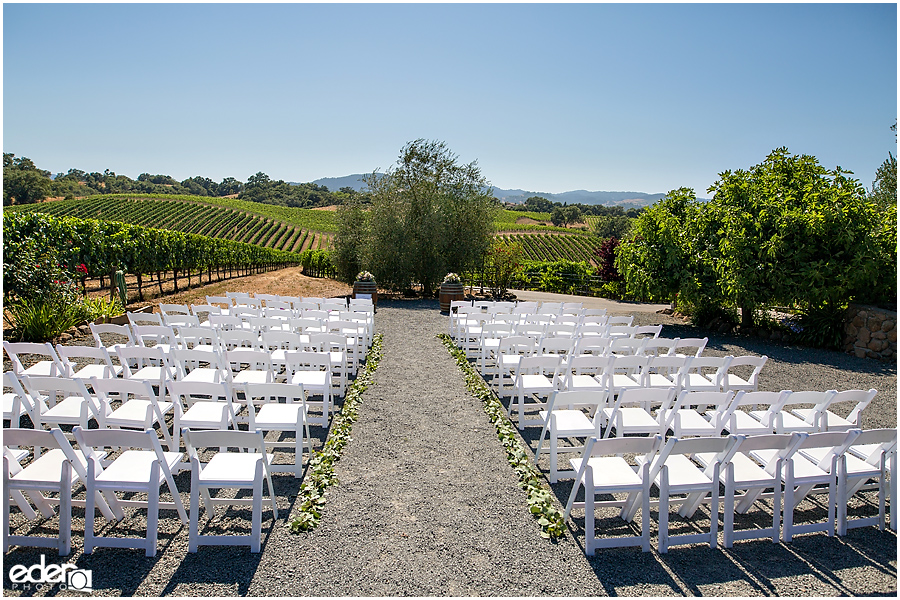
x: 871, y: 332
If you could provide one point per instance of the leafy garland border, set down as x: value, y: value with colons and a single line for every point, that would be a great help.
x: 540, y: 502
x: 320, y: 471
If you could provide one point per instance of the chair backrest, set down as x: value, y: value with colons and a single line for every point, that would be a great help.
x: 757, y: 362
x: 248, y: 359
x: 328, y: 342
x: 547, y: 364
x: 698, y: 343
x: 593, y: 400
x: 721, y: 447
x: 594, y: 312
x: 877, y: 442
x: 186, y: 360
x: 549, y: 308
x: 252, y: 441
x: 259, y: 324
x: 306, y: 361
x: 180, y: 320
x: 626, y: 320
x: 100, y: 354
x: 614, y: 331
x: 836, y: 441
x: 89, y: 440
x: 647, y: 397
x: 133, y: 358
x: 190, y: 337
x: 173, y: 309
x: 245, y: 312
x: 625, y: 346
x: 200, y: 310
x: 144, y: 318
x: 261, y: 393
x: 659, y: 346
x: 220, y: 300
x: 186, y: 393
x: 862, y: 399
x: 560, y: 330
x: 785, y: 443
x: 284, y: 340
x: 239, y: 338
x: 50, y: 390
x: 111, y: 329
x: 158, y: 334
x: 265, y: 297
x: 518, y: 344
x: 592, y: 345
x: 587, y: 364
x: 121, y: 389
x: 648, y: 330
x: 225, y: 322
x: 556, y: 345
x: 629, y: 364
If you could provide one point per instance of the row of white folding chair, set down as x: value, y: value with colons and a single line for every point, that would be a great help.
x: 61, y: 401
x: 346, y: 356
x: 695, y: 467
x: 539, y: 375
x: 141, y: 466
x: 470, y: 328
x: 492, y: 349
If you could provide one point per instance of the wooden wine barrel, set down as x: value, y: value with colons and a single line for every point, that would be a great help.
x: 366, y: 287
x: 450, y: 292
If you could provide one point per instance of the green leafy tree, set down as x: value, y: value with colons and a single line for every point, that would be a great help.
x: 612, y: 226
x: 429, y: 215
x: 538, y: 204
x: 349, y: 244
x: 23, y: 182
x: 563, y: 216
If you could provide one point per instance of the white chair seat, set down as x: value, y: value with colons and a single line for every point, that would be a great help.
x: 570, y: 423
x: 204, y: 374
x: 66, y: 410
x: 310, y: 379
x: 201, y: 414
x: 98, y: 371
x: 616, y: 471
x: 132, y: 467
x: 632, y: 417
x: 133, y: 411
x: 46, y: 469
x: 690, y: 422
x: 684, y: 474
x: 582, y: 383
x: 275, y: 416
x: 230, y: 468
x: 253, y: 376
x: 746, y: 424
x: 832, y: 421
x: 537, y: 383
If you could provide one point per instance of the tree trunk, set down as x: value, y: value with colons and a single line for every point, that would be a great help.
x: 175, y: 279
x: 746, y: 317
x: 140, y: 287
x: 159, y: 281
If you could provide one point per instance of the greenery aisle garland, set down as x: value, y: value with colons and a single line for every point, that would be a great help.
x: 320, y: 471
x: 530, y: 479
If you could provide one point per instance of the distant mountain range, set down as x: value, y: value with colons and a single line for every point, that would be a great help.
x: 623, y: 199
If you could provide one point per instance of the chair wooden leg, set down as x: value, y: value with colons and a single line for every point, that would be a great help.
x: 664, y: 511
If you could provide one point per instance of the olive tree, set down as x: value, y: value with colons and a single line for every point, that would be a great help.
x: 428, y: 215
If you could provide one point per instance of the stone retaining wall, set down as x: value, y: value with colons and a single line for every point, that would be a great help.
x: 871, y: 332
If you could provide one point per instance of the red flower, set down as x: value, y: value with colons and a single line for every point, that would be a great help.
x: 81, y: 268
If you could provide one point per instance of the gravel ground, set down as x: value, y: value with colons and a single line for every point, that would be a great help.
x: 428, y: 506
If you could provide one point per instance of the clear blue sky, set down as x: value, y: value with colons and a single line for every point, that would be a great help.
x: 545, y: 97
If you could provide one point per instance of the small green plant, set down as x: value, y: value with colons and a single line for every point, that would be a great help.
x: 540, y: 501
x: 43, y: 319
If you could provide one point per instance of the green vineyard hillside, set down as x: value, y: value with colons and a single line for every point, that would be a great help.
x: 291, y: 229
x: 276, y: 227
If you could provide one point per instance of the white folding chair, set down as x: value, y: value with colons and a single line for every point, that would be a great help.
x: 536, y: 378
x: 158, y: 336
x: 786, y: 422
x: 562, y: 423
x: 16, y: 403
x: 667, y: 371
x: 829, y: 421
x: 699, y: 344
x: 603, y: 469
x: 625, y: 373
x: 510, y: 351
x: 652, y: 331
x: 685, y: 416
x: 758, y: 420
x: 246, y: 365
x: 584, y: 372
x: 809, y: 469
x: 734, y: 381
x: 58, y: 469
x: 873, y: 455
x: 236, y: 470
x: 674, y: 472
x: 119, y: 336
x: 100, y: 365
x: 145, y: 364
x: 337, y: 348
x: 141, y: 318
x: 706, y: 374
x: 201, y: 405
x: 142, y: 467
x: 59, y: 401
x: 239, y: 338
x: 139, y: 406
x: 630, y: 414
x: 51, y: 367
x: 173, y: 309
x: 268, y: 413
x: 312, y: 370
x: 744, y: 473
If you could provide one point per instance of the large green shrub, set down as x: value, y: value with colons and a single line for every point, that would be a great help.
x: 785, y: 232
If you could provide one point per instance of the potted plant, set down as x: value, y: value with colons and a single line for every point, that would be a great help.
x: 365, y: 284
x: 451, y: 289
